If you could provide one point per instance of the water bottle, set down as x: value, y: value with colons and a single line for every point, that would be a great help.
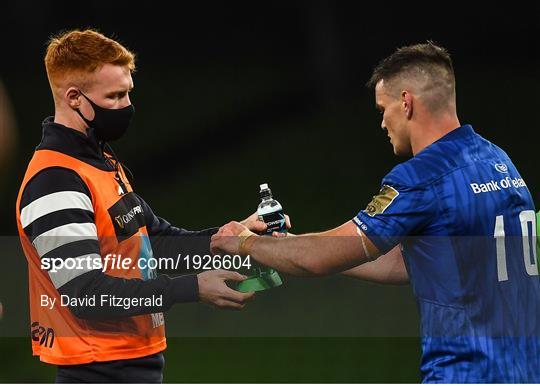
x: 271, y: 212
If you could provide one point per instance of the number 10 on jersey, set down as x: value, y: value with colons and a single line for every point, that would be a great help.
x: 528, y: 222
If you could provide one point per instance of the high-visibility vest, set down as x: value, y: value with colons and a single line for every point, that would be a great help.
x: 58, y: 337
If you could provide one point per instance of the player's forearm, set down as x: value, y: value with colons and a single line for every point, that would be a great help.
x: 304, y: 255
x: 387, y: 269
x: 368, y: 272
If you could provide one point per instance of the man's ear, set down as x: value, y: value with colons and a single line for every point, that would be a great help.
x: 73, y: 97
x: 407, y: 103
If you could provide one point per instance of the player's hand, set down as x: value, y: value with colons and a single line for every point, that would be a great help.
x: 281, y: 234
x: 254, y: 224
x: 213, y: 289
x: 226, y: 240
x: 257, y: 226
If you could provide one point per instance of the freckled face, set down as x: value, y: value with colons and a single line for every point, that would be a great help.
x: 110, y: 89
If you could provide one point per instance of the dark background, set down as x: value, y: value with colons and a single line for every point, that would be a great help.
x: 231, y: 95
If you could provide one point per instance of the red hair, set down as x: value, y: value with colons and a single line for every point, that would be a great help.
x: 73, y: 55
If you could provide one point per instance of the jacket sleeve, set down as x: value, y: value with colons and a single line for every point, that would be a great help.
x: 169, y: 241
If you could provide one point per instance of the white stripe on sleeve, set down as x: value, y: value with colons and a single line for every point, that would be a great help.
x: 54, y: 202
x: 64, y: 234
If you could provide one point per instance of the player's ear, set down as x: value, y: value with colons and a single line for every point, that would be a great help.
x: 73, y: 97
x: 407, y: 103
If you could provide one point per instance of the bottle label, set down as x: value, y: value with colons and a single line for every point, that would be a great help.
x: 275, y: 222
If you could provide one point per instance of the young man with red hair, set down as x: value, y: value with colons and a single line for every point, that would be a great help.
x: 76, y: 204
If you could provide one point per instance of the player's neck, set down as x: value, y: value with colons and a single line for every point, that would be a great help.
x: 432, y: 130
x: 68, y: 120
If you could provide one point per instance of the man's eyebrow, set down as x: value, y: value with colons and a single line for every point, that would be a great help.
x: 119, y: 91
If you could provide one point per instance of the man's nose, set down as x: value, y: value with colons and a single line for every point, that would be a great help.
x: 125, y: 101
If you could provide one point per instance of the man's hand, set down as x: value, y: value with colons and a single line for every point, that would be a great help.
x: 214, y: 290
x: 257, y: 226
x: 226, y: 241
x: 254, y: 224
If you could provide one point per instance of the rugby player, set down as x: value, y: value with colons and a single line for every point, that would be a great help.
x: 456, y: 219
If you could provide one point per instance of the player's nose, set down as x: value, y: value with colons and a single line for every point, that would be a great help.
x: 127, y: 100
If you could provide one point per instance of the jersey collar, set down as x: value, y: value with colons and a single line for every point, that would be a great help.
x: 71, y: 142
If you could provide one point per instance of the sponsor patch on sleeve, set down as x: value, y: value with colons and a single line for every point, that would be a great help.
x: 380, y: 202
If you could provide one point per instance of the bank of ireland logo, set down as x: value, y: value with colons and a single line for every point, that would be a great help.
x: 502, y: 168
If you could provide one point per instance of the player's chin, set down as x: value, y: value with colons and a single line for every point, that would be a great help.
x: 400, y: 151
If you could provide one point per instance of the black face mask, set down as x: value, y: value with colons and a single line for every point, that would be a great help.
x: 109, y: 124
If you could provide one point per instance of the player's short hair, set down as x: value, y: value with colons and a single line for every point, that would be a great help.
x: 427, y: 66
x: 75, y: 54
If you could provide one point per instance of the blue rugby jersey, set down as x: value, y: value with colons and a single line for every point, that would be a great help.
x: 465, y: 221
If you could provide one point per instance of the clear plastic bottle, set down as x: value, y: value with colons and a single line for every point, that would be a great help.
x: 271, y: 212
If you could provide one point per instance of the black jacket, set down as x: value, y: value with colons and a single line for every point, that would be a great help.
x: 166, y: 240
